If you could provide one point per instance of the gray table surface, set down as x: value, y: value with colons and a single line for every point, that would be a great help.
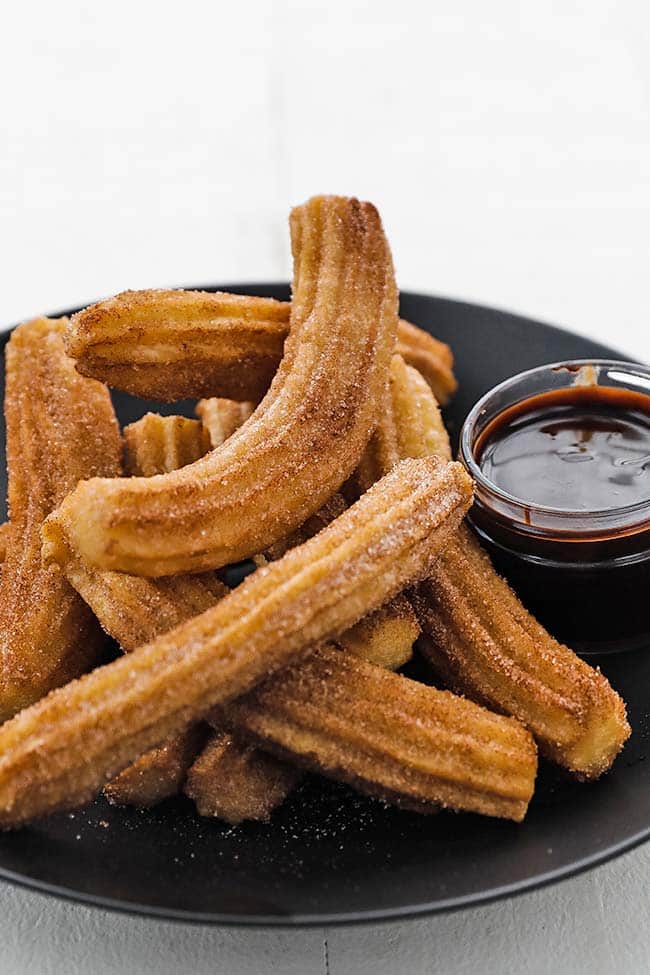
x: 507, y: 146
x: 596, y: 923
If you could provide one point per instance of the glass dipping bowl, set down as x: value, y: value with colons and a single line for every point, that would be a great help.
x: 584, y: 574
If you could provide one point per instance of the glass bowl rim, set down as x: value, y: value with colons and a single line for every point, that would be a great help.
x: 466, y: 449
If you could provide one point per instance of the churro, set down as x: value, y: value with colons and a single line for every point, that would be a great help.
x: 482, y: 642
x: 302, y: 441
x: 393, y: 738
x: 172, y: 345
x: 59, y: 752
x: 410, y: 426
x: 221, y: 417
x: 386, y: 637
x: 60, y: 428
x: 479, y: 638
x: 160, y: 444
x: 135, y: 610
x: 160, y: 772
x: 235, y: 780
x: 432, y: 359
x: 231, y: 778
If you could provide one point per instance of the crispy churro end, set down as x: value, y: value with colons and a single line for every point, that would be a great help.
x: 55, y: 548
x: 604, y: 736
x: 62, y: 532
x: 462, y: 480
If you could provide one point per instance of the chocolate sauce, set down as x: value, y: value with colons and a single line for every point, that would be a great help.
x: 580, y: 449
x: 585, y: 448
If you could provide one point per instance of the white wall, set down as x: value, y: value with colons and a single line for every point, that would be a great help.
x: 506, y: 144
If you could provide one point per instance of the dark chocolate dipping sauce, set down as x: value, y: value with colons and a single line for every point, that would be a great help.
x: 579, y: 449
x: 562, y: 504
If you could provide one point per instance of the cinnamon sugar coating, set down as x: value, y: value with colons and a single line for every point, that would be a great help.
x: 160, y: 772
x: 302, y: 441
x: 160, y: 444
x: 4, y: 540
x: 59, y: 752
x: 390, y: 737
x: 172, y: 345
x: 221, y: 417
x: 235, y: 780
x: 60, y: 428
x: 135, y: 610
x: 410, y: 426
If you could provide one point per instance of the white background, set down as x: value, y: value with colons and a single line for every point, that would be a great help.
x: 508, y: 148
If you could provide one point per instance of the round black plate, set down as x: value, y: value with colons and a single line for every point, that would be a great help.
x: 329, y: 855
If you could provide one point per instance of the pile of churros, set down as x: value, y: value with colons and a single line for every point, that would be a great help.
x: 319, y: 453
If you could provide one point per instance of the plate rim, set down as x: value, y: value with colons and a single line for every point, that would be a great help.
x: 350, y: 918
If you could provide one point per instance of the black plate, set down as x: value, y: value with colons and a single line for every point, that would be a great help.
x: 328, y: 855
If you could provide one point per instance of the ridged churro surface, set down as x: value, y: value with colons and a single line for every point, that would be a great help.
x: 430, y: 357
x: 482, y: 641
x: 391, y: 737
x: 160, y: 444
x: 410, y: 426
x: 60, y: 428
x: 59, y: 752
x: 235, y: 780
x: 160, y: 772
x: 479, y: 637
x: 386, y: 637
x: 135, y: 610
x: 299, y: 445
x: 173, y: 345
x: 221, y: 417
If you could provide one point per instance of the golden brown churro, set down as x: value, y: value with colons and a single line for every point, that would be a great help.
x: 410, y: 426
x: 386, y: 637
x: 135, y: 611
x: 235, y: 780
x: 60, y: 428
x: 160, y: 772
x: 479, y: 637
x: 221, y: 417
x: 484, y: 643
x: 432, y: 359
x: 59, y: 752
x: 173, y: 345
x: 158, y: 444
x: 299, y: 445
x: 4, y: 540
x: 391, y: 737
